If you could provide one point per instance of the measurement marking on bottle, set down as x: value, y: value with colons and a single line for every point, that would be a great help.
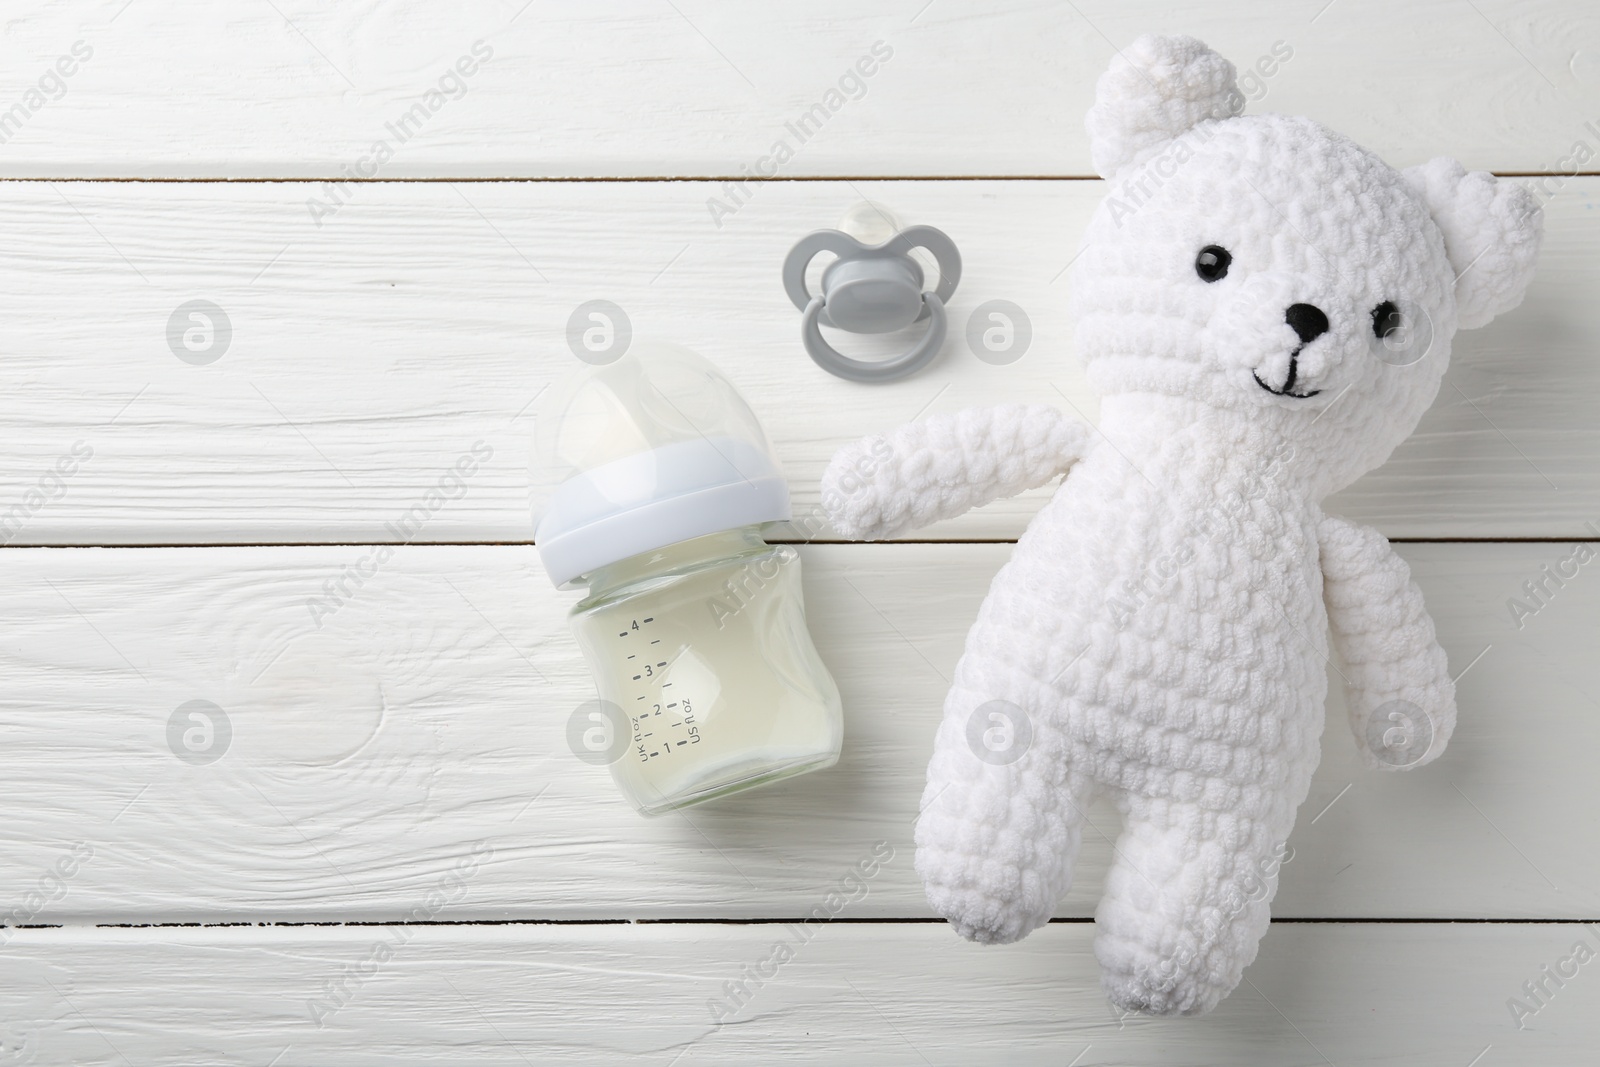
x: 636, y: 624
x: 674, y: 724
x: 682, y: 723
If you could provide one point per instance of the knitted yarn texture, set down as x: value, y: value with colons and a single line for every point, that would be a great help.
x: 1266, y: 309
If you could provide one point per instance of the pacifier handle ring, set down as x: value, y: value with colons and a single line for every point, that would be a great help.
x: 887, y: 370
x: 807, y: 249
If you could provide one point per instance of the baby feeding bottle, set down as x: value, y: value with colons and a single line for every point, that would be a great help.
x: 651, y: 482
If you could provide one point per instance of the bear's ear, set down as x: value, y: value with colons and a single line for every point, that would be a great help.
x: 1156, y: 89
x: 1492, y: 231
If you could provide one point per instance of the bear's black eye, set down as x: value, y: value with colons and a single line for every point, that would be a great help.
x: 1386, y: 320
x: 1212, y: 263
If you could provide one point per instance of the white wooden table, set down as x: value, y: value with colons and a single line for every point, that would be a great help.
x: 396, y: 859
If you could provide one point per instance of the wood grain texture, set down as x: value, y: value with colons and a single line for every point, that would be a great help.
x: 402, y: 758
x: 428, y: 715
x: 369, y: 353
x: 705, y: 87
x: 860, y: 994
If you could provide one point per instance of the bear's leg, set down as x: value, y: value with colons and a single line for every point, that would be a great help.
x: 1185, y: 904
x: 1001, y: 815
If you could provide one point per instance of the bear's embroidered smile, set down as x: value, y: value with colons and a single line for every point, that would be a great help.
x: 1309, y: 323
x: 1288, y: 383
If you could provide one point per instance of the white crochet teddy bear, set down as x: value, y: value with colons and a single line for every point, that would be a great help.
x: 1266, y: 309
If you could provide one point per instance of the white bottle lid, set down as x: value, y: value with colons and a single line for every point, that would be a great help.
x: 643, y: 452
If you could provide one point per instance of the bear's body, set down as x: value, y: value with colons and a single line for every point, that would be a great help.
x: 1267, y: 310
x: 1197, y: 547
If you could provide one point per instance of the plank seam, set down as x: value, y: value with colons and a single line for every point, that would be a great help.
x: 1541, y: 540
x: 637, y: 180
x: 790, y: 921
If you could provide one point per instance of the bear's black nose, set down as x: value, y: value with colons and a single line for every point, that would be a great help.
x: 1307, y: 320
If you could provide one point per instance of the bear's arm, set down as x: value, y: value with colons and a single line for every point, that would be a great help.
x: 946, y: 465
x: 1402, y: 700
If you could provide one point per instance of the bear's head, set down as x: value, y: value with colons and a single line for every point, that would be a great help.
x: 1270, y: 268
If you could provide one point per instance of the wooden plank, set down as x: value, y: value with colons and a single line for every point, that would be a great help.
x: 705, y: 88
x: 860, y: 994
x: 428, y: 714
x: 367, y: 356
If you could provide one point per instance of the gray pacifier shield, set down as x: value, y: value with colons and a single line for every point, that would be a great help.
x: 871, y: 290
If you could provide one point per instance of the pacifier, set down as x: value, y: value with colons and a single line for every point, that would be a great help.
x: 874, y: 287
